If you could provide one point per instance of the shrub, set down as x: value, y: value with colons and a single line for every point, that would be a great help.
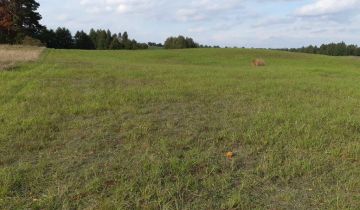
x: 29, y: 41
x: 180, y: 42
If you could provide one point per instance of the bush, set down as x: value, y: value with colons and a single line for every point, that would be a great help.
x: 180, y: 42
x: 29, y: 41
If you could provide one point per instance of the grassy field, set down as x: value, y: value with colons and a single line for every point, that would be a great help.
x: 150, y: 129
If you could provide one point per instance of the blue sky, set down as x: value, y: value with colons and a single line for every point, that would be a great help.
x: 249, y: 23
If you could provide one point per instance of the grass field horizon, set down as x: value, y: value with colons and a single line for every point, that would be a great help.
x: 150, y: 130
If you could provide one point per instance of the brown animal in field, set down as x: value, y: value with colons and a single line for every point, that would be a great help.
x: 258, y: 62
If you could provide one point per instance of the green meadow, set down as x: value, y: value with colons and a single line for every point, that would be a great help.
x: 150, y: 130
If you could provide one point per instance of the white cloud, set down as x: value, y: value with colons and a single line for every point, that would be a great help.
x: 63, y: 17
x: 258, y: 23
x: 187, y: 10
x: 207, y: 9
x: 120, y: 6
x: 327, y: 7
x: 197, y: 30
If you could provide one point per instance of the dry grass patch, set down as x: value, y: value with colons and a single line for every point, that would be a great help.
x: 258, y: 62
x: 12, y: 55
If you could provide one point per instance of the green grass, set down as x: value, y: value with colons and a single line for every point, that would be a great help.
x: 150, y: 129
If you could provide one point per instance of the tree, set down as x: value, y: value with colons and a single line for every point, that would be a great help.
x: 19, y: 19
x: 340, y: 49
x: 126, y: 42
x: 351, y: 49
x: 324, y: 49
x: 153, y: 44
x: 108, y: 39
x: 101, y: 40
x: 333, y: 49
x: 83, y: 41
x: 116, y: 44
x: 190, y: 43
x: 170, y: 43
x: 64, y: 39
x: 180, y: 42
x: 6, y: 19
x: 93, y: 37
x: 6, y: 23
x: 142, y: 46
x: 125, y: 36
x: 134, y: 45
x: 309, y: 49
x: 357, y: 52
x: 48, y: 37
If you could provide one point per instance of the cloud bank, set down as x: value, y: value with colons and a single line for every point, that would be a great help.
x: 250, y: 23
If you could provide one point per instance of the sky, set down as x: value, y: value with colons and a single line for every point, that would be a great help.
x: 240, y: 23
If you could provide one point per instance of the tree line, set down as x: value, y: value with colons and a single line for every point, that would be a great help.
x: 153, y: 44
x: 332, y: 49
x: 19, y: 23
x: 62, y: 38
x: 182, y: 42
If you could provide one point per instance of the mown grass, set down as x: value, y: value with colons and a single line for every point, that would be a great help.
x: 150, y: 129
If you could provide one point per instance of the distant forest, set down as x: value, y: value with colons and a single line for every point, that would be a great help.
x: 19, y: 24
x: 62, y: 38
x: 333, y: 49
